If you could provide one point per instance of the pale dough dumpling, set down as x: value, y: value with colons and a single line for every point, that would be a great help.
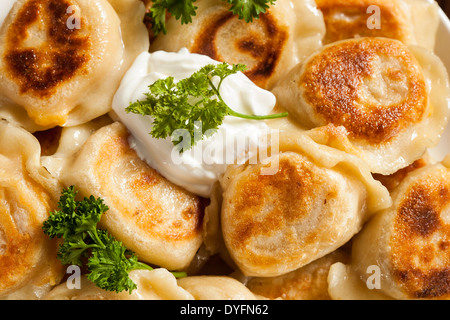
x: 159, y: 221
x: 269, y: 46
x: 28, y: 263
x: 157, y: 284
x: 410, y: 21
x: 216, y: 288
x: 315, y: 200
x: 393, y: 180
x: 393, y: 100
x: 404, y: 250
x: 61, y: 61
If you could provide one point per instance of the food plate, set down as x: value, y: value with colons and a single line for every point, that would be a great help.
x: 442, y: 50
x: 107, y: 166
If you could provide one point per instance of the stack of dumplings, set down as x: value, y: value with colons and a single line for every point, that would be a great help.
x: 268, y: 46
x: 348, y: 204
x: 158, y: 220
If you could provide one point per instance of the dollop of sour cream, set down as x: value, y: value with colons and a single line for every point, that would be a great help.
x: 236, y: 140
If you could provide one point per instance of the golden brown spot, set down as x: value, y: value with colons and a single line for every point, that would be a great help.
x: 268, y: 217
x: 346, y: 19
x: 16, y: 260
x: 259, y: 49
x: 334, y: 79
x: 419, y: 213
x: 205, y: 42
x: 164, y: 210
x: 63, y: 52
x: 420, y: 252
x: 287, y: 187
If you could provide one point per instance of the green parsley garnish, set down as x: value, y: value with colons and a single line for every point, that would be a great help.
x: 193, y: 105
x: 108, y: 260
x: 249, y: 9
x: 184, y: 10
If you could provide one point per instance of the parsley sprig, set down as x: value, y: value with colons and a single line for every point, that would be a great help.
x: 108, y: 260
x: 249, y: 9
x: 184, y: 10
x: 193, y: 105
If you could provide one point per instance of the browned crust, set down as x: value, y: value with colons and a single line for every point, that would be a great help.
x: 39, y: 71
x: 267, y: 206
x: 265, y: 49
x: 391, y: 23
x: 421, y: 240
x: 333, y: 77
x: 185, y: 227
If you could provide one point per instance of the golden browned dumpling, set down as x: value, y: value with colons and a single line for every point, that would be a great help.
x: 410, y: 21
x: 61, y: 61
x: 307, y: 283
x: 28, y: 264
x: 393, y: 101
x: 404, y: 251
x: 158, y: 220
x: 316, y: 200
x: 269, y: 46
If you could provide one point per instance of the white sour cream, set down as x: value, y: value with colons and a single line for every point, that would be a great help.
x: 5, y: 8
x: 236, y: 141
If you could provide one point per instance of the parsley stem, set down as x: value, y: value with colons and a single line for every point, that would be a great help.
x: 140, y: 265
x: 94, y: 236
x: 233, y: 113
x: 179, y: 274
x: 253, y: 117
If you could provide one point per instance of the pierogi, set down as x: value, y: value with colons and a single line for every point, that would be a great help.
x: 343, y: 201
x: 158, y: 220
x: 61, y: 61
x: 269, y: 46
x: 392, y: 100
x: 407, y: 243
x: 413, y: 22
x: 318, y: 198
x: 28, y: 264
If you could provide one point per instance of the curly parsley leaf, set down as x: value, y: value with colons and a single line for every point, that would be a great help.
x: 184, y: 10
x: 109, y: 261
x: 249, y: 9
x: 191, y: 109
x: 109, y: 267
x: 60, y: 224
